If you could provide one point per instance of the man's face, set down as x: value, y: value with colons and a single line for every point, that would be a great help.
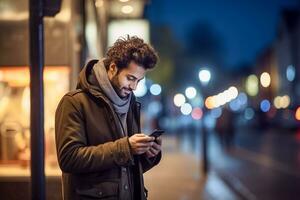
x: 125, y: 80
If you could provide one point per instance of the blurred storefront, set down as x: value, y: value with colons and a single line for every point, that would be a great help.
x: 274, y: 87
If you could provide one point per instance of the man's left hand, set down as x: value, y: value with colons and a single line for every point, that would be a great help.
x: 155, y: 148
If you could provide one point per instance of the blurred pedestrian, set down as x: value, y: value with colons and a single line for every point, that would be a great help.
x: 100, y: 147
x: 225, y: 128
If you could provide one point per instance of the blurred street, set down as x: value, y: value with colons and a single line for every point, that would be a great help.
x: 260, y: 165
x: 179, y: 176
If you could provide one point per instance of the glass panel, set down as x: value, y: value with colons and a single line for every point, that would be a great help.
x: 15, y: 118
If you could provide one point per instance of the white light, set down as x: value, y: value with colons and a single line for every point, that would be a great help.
x: 127, y: 9
x: 226, y: 96
x: 123, y: 1
x: 179, y: 99
x: 204, y: 76
x: 290, y: 73
x: 186, y: 108
x: 141, y: 88
x: 265, y: 79
x: 233, y: 91
x: 190, y: 92
x: 219, y: 100
x: 155, y: 89
x: 121, y: 27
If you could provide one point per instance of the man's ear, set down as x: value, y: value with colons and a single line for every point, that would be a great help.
x: 113, y: 69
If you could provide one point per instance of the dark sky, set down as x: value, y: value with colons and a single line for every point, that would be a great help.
x: 247, y: 26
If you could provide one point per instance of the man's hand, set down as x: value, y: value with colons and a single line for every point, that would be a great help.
x: 155, y: 148
x: 140, y: 143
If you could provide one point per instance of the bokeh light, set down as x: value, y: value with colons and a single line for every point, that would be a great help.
x: 155, y: 89
x: 190, y: 92
x: 204, y: 76
x: 249, y: 113
x: 282, y: 102
x: 265, y: 79
x: 179, y: 99
x: 276, y: 102
x: 252, y: 85
x: 297, y: 114
x: 186, y: 108
x: 141, y: 88
x: 265, y: 105
x: 233, y: 92
x: 285, y: 101
x: 216, y: 112
x: 234, y: 105
x: 290, y: 73
x: 209, y: 102
x: 197, y: 113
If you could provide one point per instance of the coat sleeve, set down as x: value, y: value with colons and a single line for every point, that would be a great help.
x: 74, y: 155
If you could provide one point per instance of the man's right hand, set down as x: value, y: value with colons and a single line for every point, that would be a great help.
x: 140, y: 143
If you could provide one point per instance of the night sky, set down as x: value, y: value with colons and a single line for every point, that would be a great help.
x: 246, y: 26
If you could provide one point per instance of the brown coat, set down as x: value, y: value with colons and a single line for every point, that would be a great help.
x: 92, y: 153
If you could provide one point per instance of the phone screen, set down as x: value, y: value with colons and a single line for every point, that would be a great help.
x: 156, y: 133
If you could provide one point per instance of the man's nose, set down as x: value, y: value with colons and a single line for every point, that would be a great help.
x: 133, y: 85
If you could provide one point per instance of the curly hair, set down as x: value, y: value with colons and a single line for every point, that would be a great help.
x: 130, y: 49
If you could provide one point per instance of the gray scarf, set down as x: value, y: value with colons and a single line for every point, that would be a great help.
x: 121, y: 105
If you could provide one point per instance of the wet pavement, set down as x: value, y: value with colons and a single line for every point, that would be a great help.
x: 263, y: 164
x: 179, y: 177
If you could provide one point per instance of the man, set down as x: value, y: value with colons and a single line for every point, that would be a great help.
x: 100, y: 148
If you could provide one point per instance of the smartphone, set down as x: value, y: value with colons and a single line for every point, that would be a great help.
x: 156, y: 133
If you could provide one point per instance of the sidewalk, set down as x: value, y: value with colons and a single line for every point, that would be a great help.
x: 179, y: 177
x: 261, y: 165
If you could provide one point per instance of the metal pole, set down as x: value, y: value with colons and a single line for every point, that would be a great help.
x: 204, y: 144
x: 205, y: 165
x: 36, y: 27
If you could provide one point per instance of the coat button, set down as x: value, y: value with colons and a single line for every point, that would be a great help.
x: 100, y: 193
x: 126, y: 187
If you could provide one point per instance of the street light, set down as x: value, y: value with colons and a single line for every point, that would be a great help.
x: 190, y: 92
x: 204, y: 77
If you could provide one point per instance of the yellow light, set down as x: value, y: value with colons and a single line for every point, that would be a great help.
x: 99, y: 3
x: 252, y: 85
x: 285, y: 101
x: 276, y: 102
x: 127, y: 9
x: 265, y: 79
x: 209, y: 102
x: 179, y: 99
x: 26, y: 101
x: 297, y: 114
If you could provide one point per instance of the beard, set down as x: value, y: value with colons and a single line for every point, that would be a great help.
x: 122, y: 92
